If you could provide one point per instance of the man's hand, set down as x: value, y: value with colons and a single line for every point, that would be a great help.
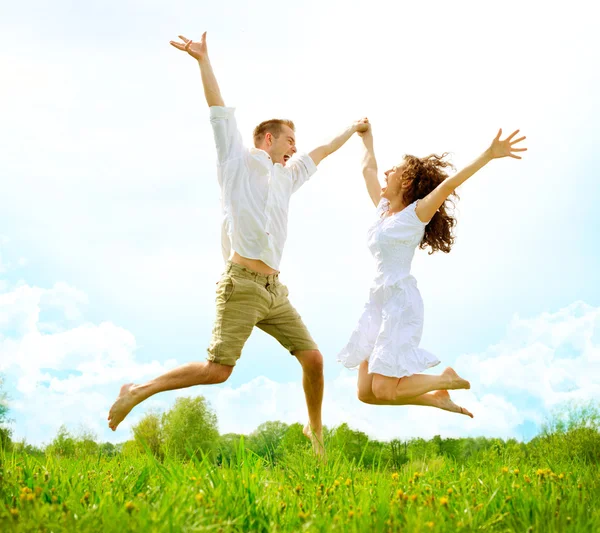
x: 362, y: 126
x: 197, y: 50
x: 505, y: 148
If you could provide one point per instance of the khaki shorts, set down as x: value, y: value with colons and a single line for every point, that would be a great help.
x: 246, y: 299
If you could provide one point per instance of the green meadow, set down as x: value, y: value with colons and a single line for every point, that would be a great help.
x: 270, y: 481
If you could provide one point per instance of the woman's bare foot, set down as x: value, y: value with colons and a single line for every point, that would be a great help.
x: 315, y: 439
x: 443, y: 401
x: 454, y: 380
x: 125, y: 402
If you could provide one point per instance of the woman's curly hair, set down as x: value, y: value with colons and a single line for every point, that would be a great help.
x: 424, y: 174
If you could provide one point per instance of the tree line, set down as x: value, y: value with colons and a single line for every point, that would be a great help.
x: 190, y: 428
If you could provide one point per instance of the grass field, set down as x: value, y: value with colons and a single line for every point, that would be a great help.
x: 495, y: 492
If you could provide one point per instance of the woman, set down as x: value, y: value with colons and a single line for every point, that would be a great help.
x: 412, y: 210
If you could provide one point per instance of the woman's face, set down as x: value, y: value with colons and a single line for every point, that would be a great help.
x: 393, y: 182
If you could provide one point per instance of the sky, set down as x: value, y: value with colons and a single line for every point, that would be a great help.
x: 110, y: 217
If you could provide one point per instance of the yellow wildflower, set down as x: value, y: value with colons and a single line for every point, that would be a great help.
x: 443, y: 500
x: 199, y: 497
x: 350, y: 514
x: 516, y: 471
x: 450, y: 491
x: 395, y: 476
x: 505, y: 469
x: 429, y: 524
x: 129, y: 507
x: 348, y: 482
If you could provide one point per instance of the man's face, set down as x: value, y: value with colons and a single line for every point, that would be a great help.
x: 282, y: 147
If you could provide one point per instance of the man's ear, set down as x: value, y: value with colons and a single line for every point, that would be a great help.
x: 269, y: 138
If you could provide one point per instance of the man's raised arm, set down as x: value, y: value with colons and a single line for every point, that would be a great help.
x: 321, y: 152
x: 228, y: 140
x: 199, y: 51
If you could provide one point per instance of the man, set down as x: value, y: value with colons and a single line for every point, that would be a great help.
x: 256, y: 186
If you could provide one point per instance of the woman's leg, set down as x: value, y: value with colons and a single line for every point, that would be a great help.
x: 390, y: 388
x: 439, y: 398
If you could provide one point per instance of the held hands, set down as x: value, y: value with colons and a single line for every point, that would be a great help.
x: 197, y: 50
x: 362, y: 126
x: 506, y: 147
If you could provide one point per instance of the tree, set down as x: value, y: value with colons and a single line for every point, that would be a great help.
x: 63, y: 444
x: 5, y: 432
x: 294, y: 438
x: 227, y: 448
x: 349, y: 441
x: 398, y: 453
x: 148, y: 434
x: 108, y: 449
x: 85, y: 443
x: 266, y: 439
x: 190, y: 427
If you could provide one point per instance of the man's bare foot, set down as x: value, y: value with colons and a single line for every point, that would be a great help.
x: 125, y: 402
x: 443, y: 401
x: 316, y: 439
x: 454, y: 380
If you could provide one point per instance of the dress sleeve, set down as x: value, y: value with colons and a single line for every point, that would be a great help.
x: 405, y: 226
x: 412, y: 218
x: 382, y: 207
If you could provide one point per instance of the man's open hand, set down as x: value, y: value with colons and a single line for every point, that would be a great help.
x: 197, y: 50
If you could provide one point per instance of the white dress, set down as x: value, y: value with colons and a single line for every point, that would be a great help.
x: 389, y: 331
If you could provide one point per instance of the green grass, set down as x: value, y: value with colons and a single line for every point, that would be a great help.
x: 298, y: 494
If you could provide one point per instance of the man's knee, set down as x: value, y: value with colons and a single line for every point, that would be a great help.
x: 311, y: 361
x: 220, y: 373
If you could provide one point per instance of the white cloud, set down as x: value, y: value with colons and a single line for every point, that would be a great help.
x: 71, y: 375
x: 65, y: 371
x: 552, y: 358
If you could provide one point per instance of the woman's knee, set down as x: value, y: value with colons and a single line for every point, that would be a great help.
x: 384, y: 388
x: 365, y: 395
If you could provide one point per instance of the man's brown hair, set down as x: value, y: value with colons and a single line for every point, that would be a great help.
x: 273, y: 126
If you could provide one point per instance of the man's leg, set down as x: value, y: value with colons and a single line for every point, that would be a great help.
x: 181, y: 377
x: 240, y: 304
x: 313, y: 383
x: 285, y: 324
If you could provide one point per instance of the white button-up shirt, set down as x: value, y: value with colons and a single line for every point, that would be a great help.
x: 255, y: 193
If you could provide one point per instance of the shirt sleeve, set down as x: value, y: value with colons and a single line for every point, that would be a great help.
x: 228, y: 139
x: 302, y: 168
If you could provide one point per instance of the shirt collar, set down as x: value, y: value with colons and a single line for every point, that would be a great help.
x: 262, y: 153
